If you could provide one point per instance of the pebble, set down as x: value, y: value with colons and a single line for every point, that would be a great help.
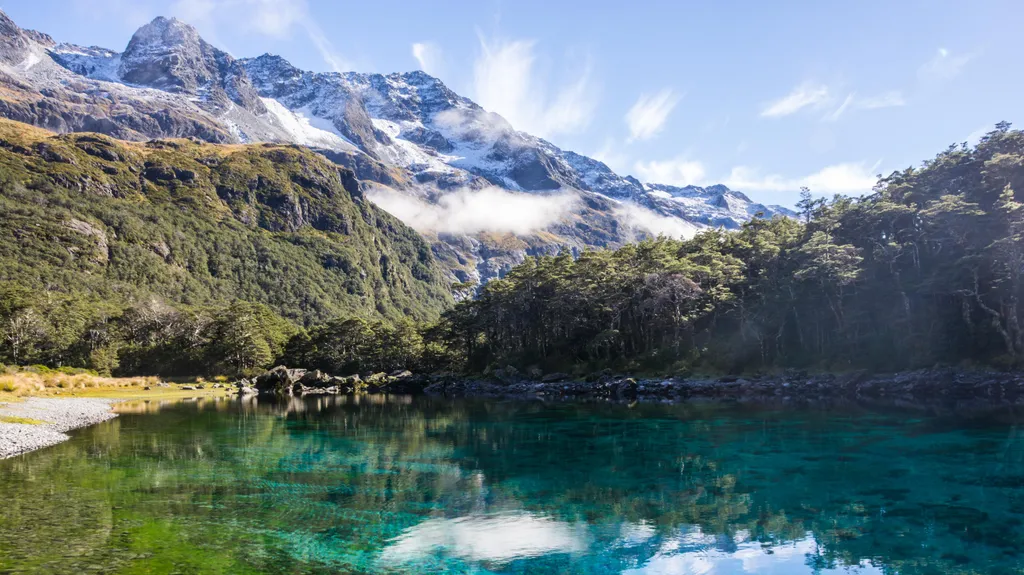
x: 58, y: 416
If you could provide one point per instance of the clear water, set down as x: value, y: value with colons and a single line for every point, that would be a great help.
x: 423, y: 486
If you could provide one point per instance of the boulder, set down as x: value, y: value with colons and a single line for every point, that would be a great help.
x: 507, y: 374
x: 625, y: 389
x: 278, y: 380
x: 554, y: 377
x: 315, y: 378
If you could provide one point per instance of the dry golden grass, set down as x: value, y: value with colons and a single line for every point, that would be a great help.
x: 19, y: 132
x: 28, y: 383
x: 28, y: 134
x: 15, y: 386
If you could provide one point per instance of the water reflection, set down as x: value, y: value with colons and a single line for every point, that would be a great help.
x: 493, y: 539
x: 411, y: 485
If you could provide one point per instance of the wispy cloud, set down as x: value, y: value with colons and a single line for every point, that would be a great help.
x: 834, y: 116
x: 845, y: 178
x: 675, y: 172
x: 274, y: 18
x: 808, y: 94
x: 943, y: 66
x: 505, y: 81
x: 466, y: 211
x: 891, y: 99
x: 645, y: 220
x: 852, y: 101
x: 428, y: 56
x: 648, y: 115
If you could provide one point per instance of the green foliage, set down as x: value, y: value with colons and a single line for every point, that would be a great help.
x: 177, y: 258
x: 925, y: 270
x: 348, y: 346
x: 203, y: 225
x: 137, y: 258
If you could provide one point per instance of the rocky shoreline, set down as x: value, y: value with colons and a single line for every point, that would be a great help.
x: 945, y: 385
x: 918, y: 387
x: 56, y: 417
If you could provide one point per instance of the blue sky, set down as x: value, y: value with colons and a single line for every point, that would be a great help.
x: 762, y: 96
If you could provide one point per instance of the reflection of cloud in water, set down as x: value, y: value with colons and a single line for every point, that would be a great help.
x: 686, y: 556
x: 506, y: 537
x: 494, y: 538
x: 632, y: 534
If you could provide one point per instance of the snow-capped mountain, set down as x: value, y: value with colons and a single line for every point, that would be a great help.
x: 408, y: 133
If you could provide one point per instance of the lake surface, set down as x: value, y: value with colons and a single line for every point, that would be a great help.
x: 368, y: 485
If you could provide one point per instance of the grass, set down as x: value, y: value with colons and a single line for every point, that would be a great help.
x: 22, y: 420
x: 55, y: 384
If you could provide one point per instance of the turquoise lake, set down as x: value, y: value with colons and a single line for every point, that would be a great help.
x: 420, y: 485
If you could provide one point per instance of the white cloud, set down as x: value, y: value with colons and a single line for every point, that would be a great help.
x: 642, y: 219
x: 845, y: 178
x: 675, y: 172
x: 504, y: 81
x: 943, y: 66
x: 428, y: 55
x: 804, y: 95
x: 891, y: 99
x: 886, y: 100
x: 650, y: 112
x: 490, y: 209
x: 277, y: 17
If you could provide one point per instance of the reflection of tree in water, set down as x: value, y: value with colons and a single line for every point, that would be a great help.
x: 331, y: 481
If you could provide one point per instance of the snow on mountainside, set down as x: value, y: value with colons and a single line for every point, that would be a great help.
x: 407, y: 132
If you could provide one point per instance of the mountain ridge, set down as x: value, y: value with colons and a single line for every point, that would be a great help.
x: 407, y: 132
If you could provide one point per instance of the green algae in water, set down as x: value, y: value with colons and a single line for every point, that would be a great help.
x: 347, y: 485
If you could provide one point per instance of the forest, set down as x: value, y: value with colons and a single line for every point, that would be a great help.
x: 926, y: 270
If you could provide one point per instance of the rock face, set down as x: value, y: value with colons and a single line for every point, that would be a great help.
x: 14, y: 44
x: 403, y: 133
x: 169, y: 55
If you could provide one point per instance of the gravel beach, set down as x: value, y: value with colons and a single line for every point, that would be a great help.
x: 58, y: 416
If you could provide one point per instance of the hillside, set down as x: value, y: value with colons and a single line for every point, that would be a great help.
x: 195, y: 224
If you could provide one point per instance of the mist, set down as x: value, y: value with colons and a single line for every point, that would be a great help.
x: 467, y: 211
x: 642, y: 219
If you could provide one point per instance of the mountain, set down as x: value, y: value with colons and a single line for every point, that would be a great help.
x: 405, y: 136
x: 199, y: 224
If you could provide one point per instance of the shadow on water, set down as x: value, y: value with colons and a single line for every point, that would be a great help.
x: 379, y: 484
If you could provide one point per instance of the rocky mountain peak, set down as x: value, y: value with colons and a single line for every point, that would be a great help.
x: 170, y: 55
x: 167, y: 54
x: 272, y: 74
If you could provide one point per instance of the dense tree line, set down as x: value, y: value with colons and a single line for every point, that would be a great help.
x: 925, y: 270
